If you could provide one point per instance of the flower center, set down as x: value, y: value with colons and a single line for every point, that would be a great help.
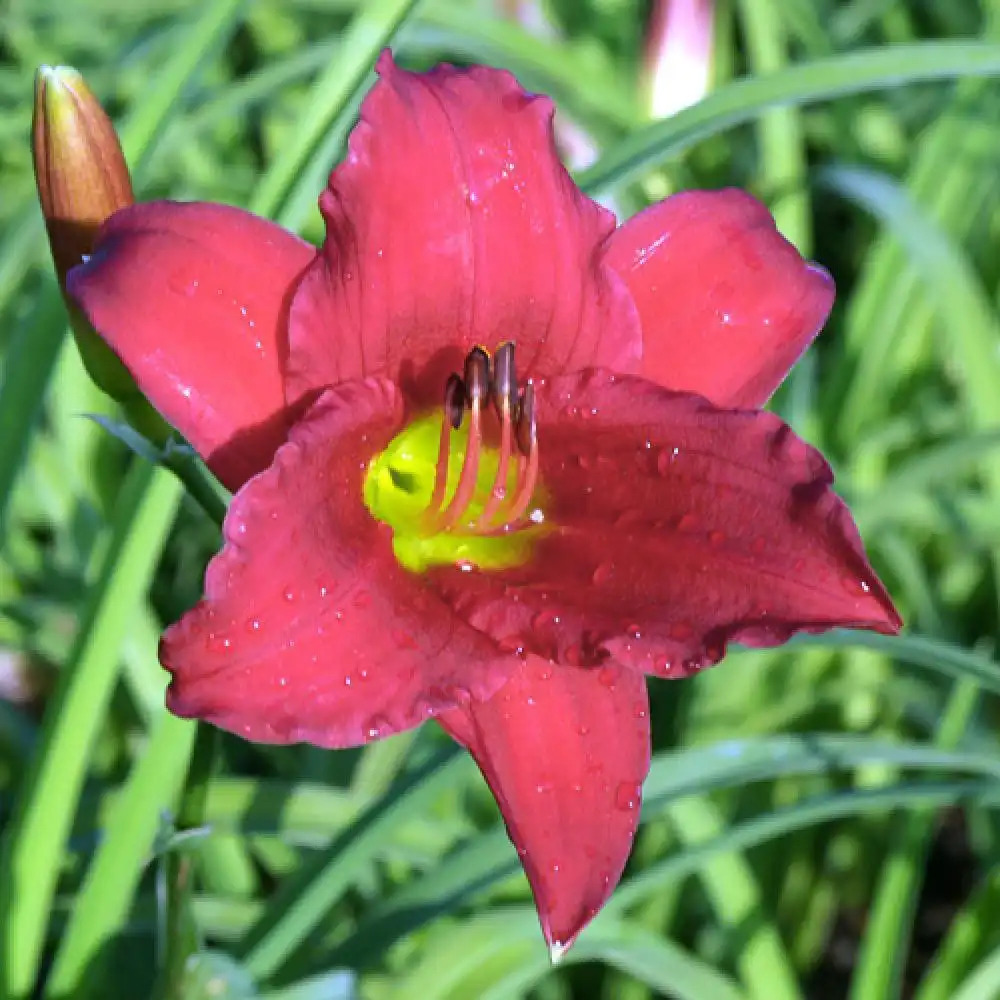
x: 459, y: 486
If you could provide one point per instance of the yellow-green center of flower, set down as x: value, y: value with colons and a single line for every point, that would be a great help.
x: 450, y: 498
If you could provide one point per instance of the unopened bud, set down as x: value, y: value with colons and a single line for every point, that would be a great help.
x: 79, y: 166
x: 82, y: 179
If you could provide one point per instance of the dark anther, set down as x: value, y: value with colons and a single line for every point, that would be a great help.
x: 504, y: 384
x: 526, y: 427
x: 454, y: 400
x: 477, y: 374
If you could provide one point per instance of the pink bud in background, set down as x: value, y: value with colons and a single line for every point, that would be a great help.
x: 678, y: 54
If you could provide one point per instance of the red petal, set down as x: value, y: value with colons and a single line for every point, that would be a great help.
x: 565, y: 752
x: 193, y: 298
x: 452, y: 223
x: 310, y: 630
x: 675, y: 528
x: 727, y: 305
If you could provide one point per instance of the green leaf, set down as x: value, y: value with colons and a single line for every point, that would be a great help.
x: 806, y: 83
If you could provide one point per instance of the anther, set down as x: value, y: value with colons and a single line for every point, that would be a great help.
x: 503, y: 386
x: 454, y: 400
x: 477, y: 375
x: 526, y: 428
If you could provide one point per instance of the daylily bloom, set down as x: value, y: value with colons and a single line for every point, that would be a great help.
x: 430, y: 524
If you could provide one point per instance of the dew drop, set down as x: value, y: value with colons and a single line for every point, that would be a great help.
x: 603, y: 573
x: 289, y: 594
x: 216, y: 643
x: 607, y: 676
x: 376, y: 727
x: 544, y: 618
x: 716, y: 537
x: 687, y: 522
x: 512, y: 644
x: 253, y: 625
x: 403, y: 640
x: 627, y: 795
x: 639, y: 710
x: 665, y: 458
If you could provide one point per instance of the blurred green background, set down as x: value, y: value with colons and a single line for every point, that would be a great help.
x: 819, y: 822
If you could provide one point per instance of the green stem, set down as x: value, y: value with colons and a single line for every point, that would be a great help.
x: 181, y: 936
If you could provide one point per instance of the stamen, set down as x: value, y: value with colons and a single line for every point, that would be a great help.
x: 503, y: 508
x: 466, y: 488
x: 527, y: 441
x: 498, y: 492
x: 527, y: 428
x: 454, y: 410
x: 503, y: 390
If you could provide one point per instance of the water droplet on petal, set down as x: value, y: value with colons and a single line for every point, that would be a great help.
x: 716, y: 537
x: 627, y: 795
x: 607, y: 676
x: 376, y: 727
x: 217, y: 643
x: 687, y: 522
x: 544, y: 618
x: 665, y: 458
x: 403, y: 640
x: 603, y: 573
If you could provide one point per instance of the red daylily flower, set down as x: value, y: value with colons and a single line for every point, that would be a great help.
x: 579, y: 530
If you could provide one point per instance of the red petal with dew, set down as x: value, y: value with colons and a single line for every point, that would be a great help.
x: 194, y: 299
x: 673, y: 528
x: 565, y: 752
x: 726, y: 303
x: 309, y: 629
x: 452, y: 223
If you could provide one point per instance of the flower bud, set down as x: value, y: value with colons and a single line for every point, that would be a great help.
x: 82, y: 179
x: 678, y: 54
x: 79, y: 166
